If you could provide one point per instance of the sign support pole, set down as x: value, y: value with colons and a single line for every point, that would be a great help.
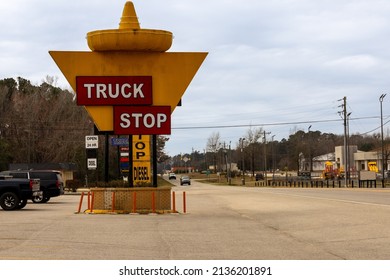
x: 131, y: 174
x: 154, y: 152
x: 118, y: 154
x: 106, y: 157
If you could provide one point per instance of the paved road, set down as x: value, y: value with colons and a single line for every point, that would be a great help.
x: 221, y: 223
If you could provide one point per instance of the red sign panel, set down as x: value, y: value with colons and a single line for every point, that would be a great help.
x: 111, y: 90
x: 142, y: 120
x: 124, y: 159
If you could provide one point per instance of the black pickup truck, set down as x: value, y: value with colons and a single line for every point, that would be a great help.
x: 15, y: 192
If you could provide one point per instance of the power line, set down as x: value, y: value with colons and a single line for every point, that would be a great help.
x: 373, y: 129
x: 269, y: 124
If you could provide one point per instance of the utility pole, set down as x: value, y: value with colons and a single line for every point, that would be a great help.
x: 226, y: 153
x: 243, y: 161
x: 348, y: 149
x: 310, y: 151
x: 273, y: 158
x: 230, y: 163
x: 384, y: 164
x: 344, y: 116
x: 265, y: 157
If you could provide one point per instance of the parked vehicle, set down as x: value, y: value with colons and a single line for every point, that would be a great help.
x: 51, y: 182
x: 14, y: 192
x: 172, y: 176
x: 259, y: 176
x: 331, y: 173
x: 185, y: 180
x: 372, y: 166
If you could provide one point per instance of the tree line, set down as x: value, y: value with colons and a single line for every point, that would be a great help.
x: 258, y: 151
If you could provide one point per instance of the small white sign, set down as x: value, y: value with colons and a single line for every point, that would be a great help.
x: 92, y: 142
x: 92, y: 163
x: 185, y: 159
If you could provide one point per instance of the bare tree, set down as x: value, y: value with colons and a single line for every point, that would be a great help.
x: 41, y: 123
x: 252, y: 137
x: 213, y: 146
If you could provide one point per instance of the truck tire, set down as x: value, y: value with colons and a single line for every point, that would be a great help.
x: 22, y: 203
x: 9, y: 201
x: 40, y: 199
x: 37, y: 199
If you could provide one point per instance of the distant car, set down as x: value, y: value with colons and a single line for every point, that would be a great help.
x: 185, y: 180
x: 172, y: 176
x: 259, y: 176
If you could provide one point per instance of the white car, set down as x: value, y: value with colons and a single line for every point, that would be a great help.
x: 172, y: 176
x: 185, y: 180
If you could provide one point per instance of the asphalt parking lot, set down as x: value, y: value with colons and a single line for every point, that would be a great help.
x: 221, y: 223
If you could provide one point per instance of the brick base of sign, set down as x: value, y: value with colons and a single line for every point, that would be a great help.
x: 131, y: 200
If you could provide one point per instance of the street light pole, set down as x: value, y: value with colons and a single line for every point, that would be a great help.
x: 345, y: 162
x: 273, y: 158
x: 242, y: 158
x: 348, y: 163
x: 225, y: 150
x: 265, y: 157
x: 382, y: 143
x: 310, y: 158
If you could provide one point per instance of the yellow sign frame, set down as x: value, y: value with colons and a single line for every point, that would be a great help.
x: 171, y: 72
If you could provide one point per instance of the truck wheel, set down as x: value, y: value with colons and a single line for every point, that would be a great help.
x: 40, y: 199
x: 9, y: 201
x: 37, y: 199
x: 22, y: 204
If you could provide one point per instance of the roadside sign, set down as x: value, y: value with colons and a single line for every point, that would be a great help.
x: 141, y: 171
x: 172, y: 72
x: 122, y: 141
x: 92, y: 163
x: 145, y: 120
x: 121, y: 69
x: 92, y: 142
x: 141, y: 148
x: 141, y: 159
x: 114, y: 90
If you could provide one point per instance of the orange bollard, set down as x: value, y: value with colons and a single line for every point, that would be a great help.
x: 134, y: 202
x: 153, y: 203
x: 92, y: 201
x: 81, y: 202
x: 184, y: 203
x: 173, y: 202
x: 89, y: 200
x: 113, y: 202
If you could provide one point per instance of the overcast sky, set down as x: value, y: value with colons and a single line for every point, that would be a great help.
x: 281, y: 65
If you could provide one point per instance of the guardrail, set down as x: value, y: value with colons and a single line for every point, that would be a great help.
x: 321, y: 183
x: 114, y: 203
